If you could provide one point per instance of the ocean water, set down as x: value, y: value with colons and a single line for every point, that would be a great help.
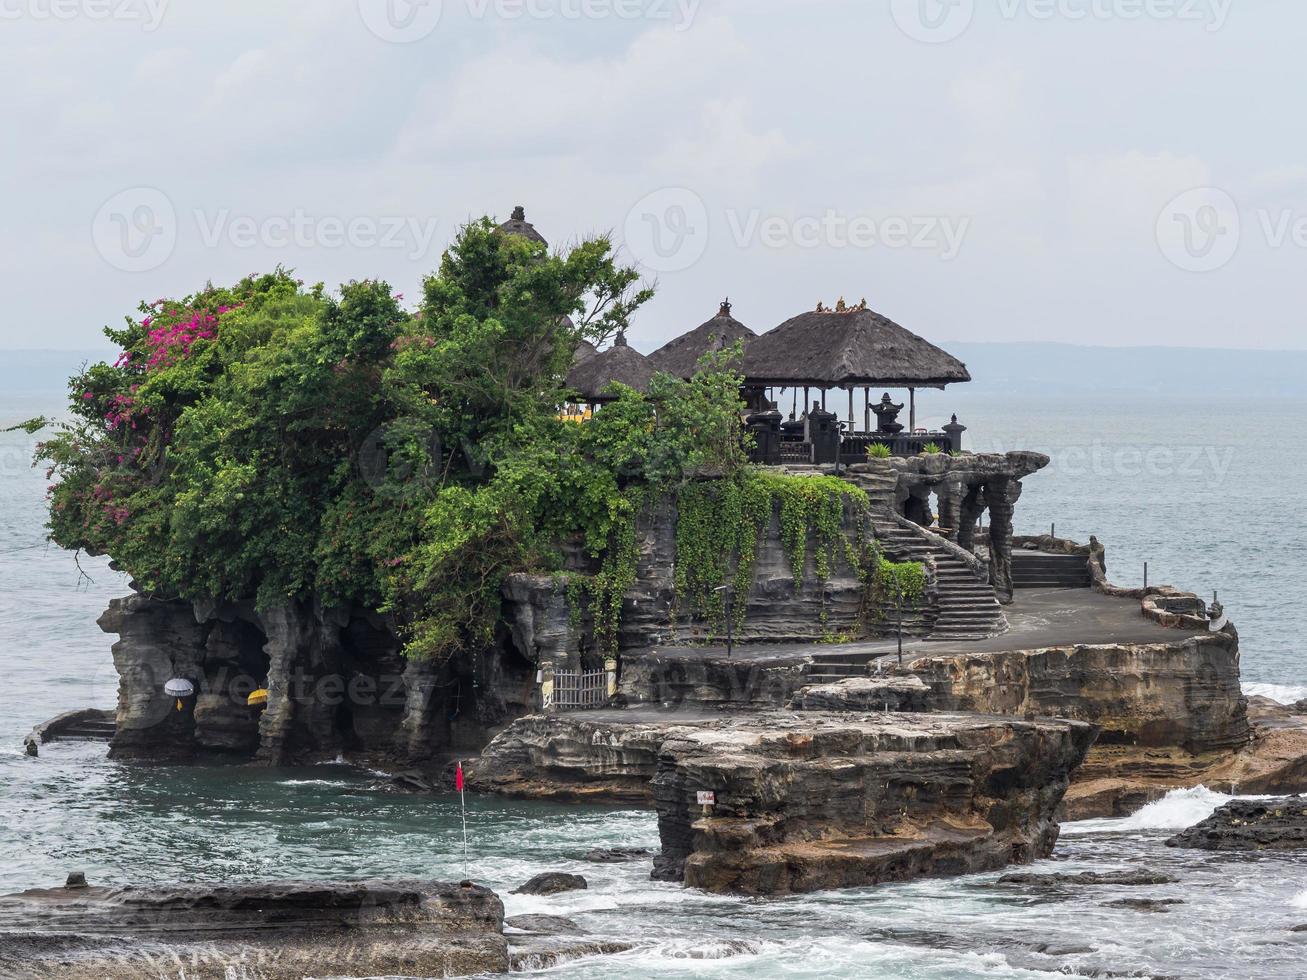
x: 1207, y: 498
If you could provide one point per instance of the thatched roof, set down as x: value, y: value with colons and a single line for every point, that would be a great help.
x: 848, y: 346
x: 518, y: 225
x: 584, y: 351
x: 591, y: 377
x: 680, y: 357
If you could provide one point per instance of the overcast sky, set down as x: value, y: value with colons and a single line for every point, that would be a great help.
x: 1092, y: 171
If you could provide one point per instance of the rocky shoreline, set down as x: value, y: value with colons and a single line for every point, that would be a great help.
x: 804, y: 801
x: 283, y: 930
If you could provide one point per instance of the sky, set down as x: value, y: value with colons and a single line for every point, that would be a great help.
x: 1116, y: 172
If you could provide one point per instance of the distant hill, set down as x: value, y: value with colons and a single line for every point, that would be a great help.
x: 38, y: 372
x: 1025, y: 368
x: 1049, y: 369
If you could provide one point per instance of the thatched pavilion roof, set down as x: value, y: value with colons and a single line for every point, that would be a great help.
x: 680, y: 356
x: 584, y: 351
x: 518, y: 225
x: 848, y: 347
x: 591, y: 377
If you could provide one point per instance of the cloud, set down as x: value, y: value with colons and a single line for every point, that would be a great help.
x: 1114, y: 200
x: 521, y: 103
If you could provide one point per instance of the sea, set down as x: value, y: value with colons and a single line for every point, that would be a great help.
x: 1203, y: 490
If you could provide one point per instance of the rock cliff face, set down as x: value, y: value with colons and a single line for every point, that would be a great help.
x: 337, y: 683
x: 1250, y: 825
x: 778, y: 611
x: 1185, y: 693
x: 806, y: 801
x: 715, y: 681
x: 276, y: 931
x: 833, y: 801
x: 604, y: 756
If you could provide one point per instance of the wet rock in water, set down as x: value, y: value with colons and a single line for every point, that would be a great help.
x: 552, y: 883
x: 617, y: 855
x: 410, y: 782
x: 1145, y: 904
x: 276, y: 931
x: 1128, y: 878
x: 543, y: 925
x: 1301, y: 928
x: 527, y: 954
x: 76, y: 879
x: 1250, y: 825
x: 809, y: 801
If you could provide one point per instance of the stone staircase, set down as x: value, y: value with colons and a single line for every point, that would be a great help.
x: 1040, y: 570
x: 828, y: 668
x: 968, y: 608
x: 90, y: 730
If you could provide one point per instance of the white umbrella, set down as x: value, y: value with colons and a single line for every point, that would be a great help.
x: 179, y: 688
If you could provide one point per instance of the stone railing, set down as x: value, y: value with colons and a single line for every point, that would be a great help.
x: 1163, y: 604
x: 979, y: 567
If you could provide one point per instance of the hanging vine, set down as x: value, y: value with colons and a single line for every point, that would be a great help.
x: 720, y: 522
x: 890, y: 580
x: 605, y: 591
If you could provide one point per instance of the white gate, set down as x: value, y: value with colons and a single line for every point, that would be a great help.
x: 576, y: 690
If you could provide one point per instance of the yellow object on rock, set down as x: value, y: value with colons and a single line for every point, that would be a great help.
x: 258, y: 697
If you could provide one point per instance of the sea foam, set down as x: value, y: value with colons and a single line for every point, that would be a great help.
x: 1283, y: 693
x: 1177, y: 810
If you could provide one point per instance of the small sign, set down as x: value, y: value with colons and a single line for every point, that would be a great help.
x: 706, y: 797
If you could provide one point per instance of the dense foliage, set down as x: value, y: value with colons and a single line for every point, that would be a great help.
x: 268, y: 442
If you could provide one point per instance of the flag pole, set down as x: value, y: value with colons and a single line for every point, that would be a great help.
x: 462, y: 799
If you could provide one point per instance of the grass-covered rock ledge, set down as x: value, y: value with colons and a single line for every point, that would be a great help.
x: 315, y: 488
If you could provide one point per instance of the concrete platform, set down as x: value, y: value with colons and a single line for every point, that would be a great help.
x: 1039, y: 618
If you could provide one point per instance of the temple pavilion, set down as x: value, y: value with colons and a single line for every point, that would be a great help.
x: 846, y: 348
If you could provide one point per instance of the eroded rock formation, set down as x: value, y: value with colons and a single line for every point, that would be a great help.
x: 1250, y: 825
x: 1180, y: 694
x: 280, y: 931
x: 806, y: 800
x: 336, y: 681
x: 833, y: 801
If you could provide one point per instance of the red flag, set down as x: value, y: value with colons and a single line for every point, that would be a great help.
x: 458, y: 777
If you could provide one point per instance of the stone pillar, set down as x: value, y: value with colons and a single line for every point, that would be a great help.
x: 973, y: 506
x: 1002, y: 496
x: 955, y: 431
x: 158, y: 641
x: 418, y: 730
x: 306, y: 687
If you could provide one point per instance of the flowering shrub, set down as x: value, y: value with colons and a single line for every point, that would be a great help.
x: 270, y: 442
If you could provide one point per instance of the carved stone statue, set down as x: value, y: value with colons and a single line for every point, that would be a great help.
x: 886, y: 413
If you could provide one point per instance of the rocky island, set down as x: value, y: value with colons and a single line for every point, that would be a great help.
x: 489, y: 532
